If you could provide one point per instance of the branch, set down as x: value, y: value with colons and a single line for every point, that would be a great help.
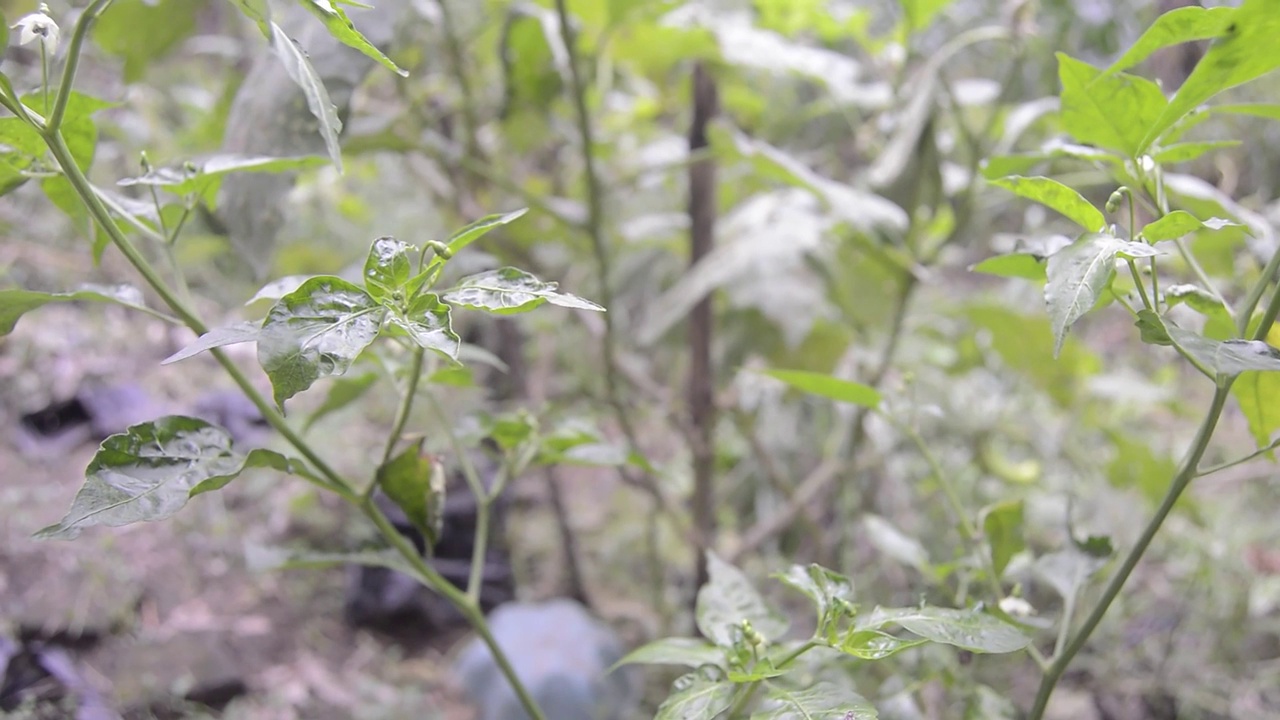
x: 701, y: 388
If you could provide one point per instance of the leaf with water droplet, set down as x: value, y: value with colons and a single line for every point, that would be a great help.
x: 729, y: 598
x: 388, y: 268
x: 149, y: 471
x: 507, y: 291
x: 1226, y: 357
x: 824, y: 699
x: 428, y: 322
x: 316, y: 331
x: 695, y: 695
x: 15, y: 302
x: 971, y: 630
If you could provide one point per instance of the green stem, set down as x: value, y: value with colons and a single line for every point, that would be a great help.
x: 1268, y: 317
x: 968, y: 530
x: 484, y: 502
x: 1186, y: 472
x: 1137, y: 280
x: 78, y: 36
x: 406, y: 405
x: 1269, y: 273
x: 456, y: 59
x: 595, y: 218
x: 470, y: 610
x: 744, y: 699
x: 1238, y: 461
x: 44, y: 75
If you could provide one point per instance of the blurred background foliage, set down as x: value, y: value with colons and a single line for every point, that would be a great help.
x: 852, y: 202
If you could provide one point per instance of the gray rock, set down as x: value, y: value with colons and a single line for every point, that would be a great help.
x: 562, y: 655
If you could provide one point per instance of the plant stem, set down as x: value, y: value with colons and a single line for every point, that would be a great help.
x: 744, y: 699
x: 701, y: 381
x: 595, y: 220
x: 1186, y: 472
x: 968, y: 530
x: 81, y: 31
x: 1269, y: 316
x: 406, y: 405
x: 456, y: 59
x: 1269, y: 273
x: 1137, y: 280
x: 470, y: 610
x: 1238, y: 461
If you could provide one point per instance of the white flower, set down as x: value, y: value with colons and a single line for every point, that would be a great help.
x: 1017, y: 607
x: 38, y: 26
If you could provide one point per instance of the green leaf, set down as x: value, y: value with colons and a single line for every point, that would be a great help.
x: 277, y: 289
x: 919, y: 13
x: 11, y: 178
x: 1001, y: 165
x: 428, y: 323
x: 415, y: 482
x: 1152, y: 329
x: 1024, y: 344
x: 1182, y: 25
x: 1002, y: 526
x: 896, y: 544
x: 988, y: 704
x: 1067, y: 570
x: 1136, y: 466
x: 144, y: 31
x: 507, y: 291
x: 510, y: 430
x: 1182, y: 152
x: 829, y: 590
x: 861, y: 209
x: 259, y: 11
x: 21, y: 137
x: 1198, y: 299
x: 301, y: 72
x: 15, y: 303
x: 823, y: 701
x: 1171, y: 227
x: 316, y: 331
x: 874, y: 644
x: 1270, y: 111
x: 1078, y: 275
x: 202, y: 178
x: 78, y: 129
x: 478, y: 229
x: 218, y: 337
x: 342, y: 392
x: 727, y: 600
x: 530, y: 73
x: 1135, y: 250
x: 696, y: 696
x: 149, y: 471
x: 264, y: 559
x: 1259, y: 396
x: 690, y: 652
x: 829, y: 387
x: 1244, y: 51
x: 388, y: 267
x: 341, y: 27
x: 971, y: 630
x: 1015, y: 265
x: 1226, y: 357
x: 1110, y: 111
x: 1056, y: 196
